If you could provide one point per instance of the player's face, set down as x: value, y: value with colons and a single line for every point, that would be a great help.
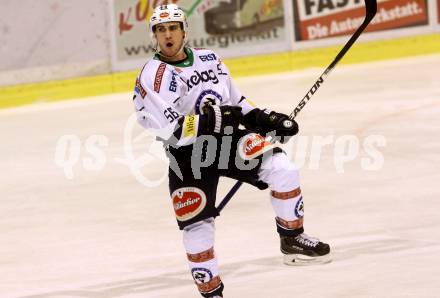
x: 170, y: 37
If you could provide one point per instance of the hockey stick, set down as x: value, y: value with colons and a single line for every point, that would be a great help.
x: 371, y: 9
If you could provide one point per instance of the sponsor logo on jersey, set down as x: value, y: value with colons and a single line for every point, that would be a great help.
x: 207, y: 97
x: 209, y: 57
x: 173, y: 83
x: 201, y: 275
x: 253, y: 145
x: 189, y: 126
x: 201, y: 77
x: 159, y: 76
x: 299, y: 208
x: 139, y: 89
x: 188, y: 202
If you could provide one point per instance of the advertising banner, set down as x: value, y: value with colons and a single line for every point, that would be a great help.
x: 438, y: 11
x: 230, y: 27
x: 317, y: 19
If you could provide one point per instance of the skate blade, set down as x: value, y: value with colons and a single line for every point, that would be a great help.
x: 303, y: 260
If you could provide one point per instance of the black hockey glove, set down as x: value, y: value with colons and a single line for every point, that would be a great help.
x: 265, y: 121
x: 219, y: 117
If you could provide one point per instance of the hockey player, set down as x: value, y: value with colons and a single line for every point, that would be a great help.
x: 188, y: 99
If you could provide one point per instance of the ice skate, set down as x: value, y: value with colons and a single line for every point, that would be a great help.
x: 304, y: 250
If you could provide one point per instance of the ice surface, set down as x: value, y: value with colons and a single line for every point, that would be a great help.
x: 102, y: 234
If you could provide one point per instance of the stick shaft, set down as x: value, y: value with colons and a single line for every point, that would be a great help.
x: 371, y: 9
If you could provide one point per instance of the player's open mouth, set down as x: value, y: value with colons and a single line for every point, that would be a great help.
x: 169, y: 44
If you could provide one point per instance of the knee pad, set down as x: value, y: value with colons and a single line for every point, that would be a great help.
x: 199, y: 236
x: 279, y: 173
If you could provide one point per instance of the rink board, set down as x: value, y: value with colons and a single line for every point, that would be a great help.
x: 255, y: 65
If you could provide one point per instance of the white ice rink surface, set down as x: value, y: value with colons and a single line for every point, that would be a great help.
x: 102, y: 234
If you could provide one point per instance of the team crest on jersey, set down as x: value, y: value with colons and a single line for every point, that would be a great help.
x: 159, y: 76
x: 253, y: 145
x: 188, y: 202
x: 201, y: 275
x: 207, y: 97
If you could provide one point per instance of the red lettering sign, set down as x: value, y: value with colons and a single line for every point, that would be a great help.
x: 126, y: 20
x: 316, y: 19
x: 438, y: 11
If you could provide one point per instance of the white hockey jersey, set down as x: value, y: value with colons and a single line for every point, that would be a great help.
x: 169, y: 98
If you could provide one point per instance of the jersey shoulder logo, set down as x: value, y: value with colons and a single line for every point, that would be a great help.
x: 208, y: 57
x: 173, y: 82
x: 139, y: 89
x: 159, y: 76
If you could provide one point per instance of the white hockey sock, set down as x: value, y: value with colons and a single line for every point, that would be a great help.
x: 198, y: 240
x: 289, y: 209
x: 282, y: 176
